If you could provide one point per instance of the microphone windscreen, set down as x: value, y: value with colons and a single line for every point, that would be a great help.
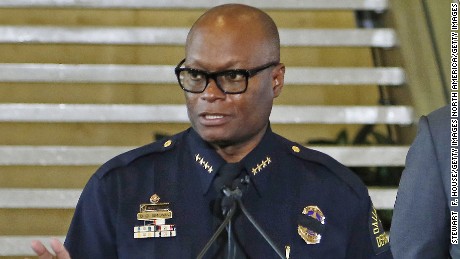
x: 225, y: 176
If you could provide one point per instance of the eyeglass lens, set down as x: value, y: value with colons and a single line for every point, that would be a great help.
x: 229, y: 81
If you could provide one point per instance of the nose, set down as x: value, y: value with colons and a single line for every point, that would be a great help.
x: 212, y: 92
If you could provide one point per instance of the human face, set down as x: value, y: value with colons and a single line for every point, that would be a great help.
x: 231, y: 119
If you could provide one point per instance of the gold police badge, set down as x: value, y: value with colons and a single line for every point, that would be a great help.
x: 311, y: 225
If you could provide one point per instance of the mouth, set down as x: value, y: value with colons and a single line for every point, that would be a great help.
x: 213, y: 119
x: 213, y: 116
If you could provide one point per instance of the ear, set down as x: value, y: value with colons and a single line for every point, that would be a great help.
x: 278, y: 79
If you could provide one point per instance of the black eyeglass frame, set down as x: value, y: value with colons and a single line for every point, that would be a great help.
x: 248, y: 73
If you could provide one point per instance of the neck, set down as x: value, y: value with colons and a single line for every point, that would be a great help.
x: 235, y: 152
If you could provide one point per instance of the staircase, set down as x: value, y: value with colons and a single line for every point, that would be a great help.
x: 82, y: 81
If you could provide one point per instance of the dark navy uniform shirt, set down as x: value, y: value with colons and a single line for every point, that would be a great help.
x: 285, y: 178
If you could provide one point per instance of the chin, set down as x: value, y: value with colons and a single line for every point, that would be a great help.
x: 214, y: 136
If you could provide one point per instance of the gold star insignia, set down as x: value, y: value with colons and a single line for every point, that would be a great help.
x: 206, y: 166
x: 259, y: 167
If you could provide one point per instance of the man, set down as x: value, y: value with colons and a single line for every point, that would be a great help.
x: 421, y: 219
x: 308, y: 204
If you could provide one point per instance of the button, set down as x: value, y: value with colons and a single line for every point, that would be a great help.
x: 167, y: 143
x: 296, y: 149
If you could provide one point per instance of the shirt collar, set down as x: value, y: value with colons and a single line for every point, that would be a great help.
x: 259, y: 163
x: 205, y: 161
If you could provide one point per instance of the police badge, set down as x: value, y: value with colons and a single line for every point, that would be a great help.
x: 311, y: 225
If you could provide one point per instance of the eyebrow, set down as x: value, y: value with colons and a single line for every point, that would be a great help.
x: 200, y: 66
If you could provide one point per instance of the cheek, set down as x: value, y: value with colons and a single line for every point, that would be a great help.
x: 256, y: 107
x: 190, y: 103
x: 190, y: 100
x: 262, y: 99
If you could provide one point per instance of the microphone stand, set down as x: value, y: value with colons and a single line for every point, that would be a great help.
x: 219, y: 230
x: 235, y: 195
x: 259, y: 229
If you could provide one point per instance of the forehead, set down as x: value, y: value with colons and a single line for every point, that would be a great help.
x: 224, y: 40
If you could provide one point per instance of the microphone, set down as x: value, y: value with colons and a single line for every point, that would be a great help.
x: 232, y: 194
x: 230, y: 201
x: 225, y: 177
x: 235, y: 195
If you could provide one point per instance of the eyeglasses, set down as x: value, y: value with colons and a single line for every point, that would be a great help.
x: 234, y: 81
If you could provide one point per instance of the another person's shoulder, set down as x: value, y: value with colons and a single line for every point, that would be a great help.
x: 159, y: 148
x: 334, y: 168
x: 440, y: 116
x: 435, y: 125
x: 441, y: 113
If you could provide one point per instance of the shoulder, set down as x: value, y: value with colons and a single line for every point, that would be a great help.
x: 435, y: 128
x: 161, y: 147
x: 441, y: 114
x: 335, y: 168
x: 438, y: 120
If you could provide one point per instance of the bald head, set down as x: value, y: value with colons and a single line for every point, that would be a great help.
x: 241, y: 21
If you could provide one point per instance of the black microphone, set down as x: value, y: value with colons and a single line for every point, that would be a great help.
x: 232, y: 198
x: 231, y: 194
x: 235, y: 194
x: 225, y: 179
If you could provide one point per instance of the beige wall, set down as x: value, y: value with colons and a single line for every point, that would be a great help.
x: 424, y: 53
x: 439, y: 13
